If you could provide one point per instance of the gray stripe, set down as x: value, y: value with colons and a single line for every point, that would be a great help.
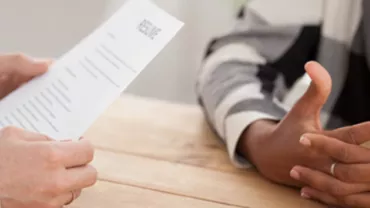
x: 229, y: 76
x: 263, y: 106
x: 224, y: 79
x: 270, y: 41
x: 280, y: 90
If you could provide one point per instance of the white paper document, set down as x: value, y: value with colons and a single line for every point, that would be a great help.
x: 65, y: 101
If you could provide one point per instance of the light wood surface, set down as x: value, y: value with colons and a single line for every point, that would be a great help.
x: 152, y: 153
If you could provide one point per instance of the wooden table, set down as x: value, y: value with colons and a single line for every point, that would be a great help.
x: 156, y: 154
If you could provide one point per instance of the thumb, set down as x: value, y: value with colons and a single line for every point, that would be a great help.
x: 22, y: 65
x: 311, y: 103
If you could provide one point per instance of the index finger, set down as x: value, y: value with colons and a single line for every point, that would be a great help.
x: 336, y: 149
x: 75, y: 153
x: 324, y: 182
x: 22, y: 64
x: 357, y: 134
x: 80, y: 178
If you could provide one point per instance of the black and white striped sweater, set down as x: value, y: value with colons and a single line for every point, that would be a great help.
x: 257, y: 71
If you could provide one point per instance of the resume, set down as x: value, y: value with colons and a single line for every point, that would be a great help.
x: 64, y: 102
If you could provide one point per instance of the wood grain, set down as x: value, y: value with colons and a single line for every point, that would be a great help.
x: 157, y: 129
x: 168, y: 148
x: 110, y: 195
x: 247, y: 190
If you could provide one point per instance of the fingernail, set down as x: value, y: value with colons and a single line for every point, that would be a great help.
x: 294, y: 174
x: 305, y: 196
x: 305, y: 141
x: 42, y: 60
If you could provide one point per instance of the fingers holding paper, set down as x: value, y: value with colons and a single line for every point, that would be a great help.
x: 42, y: 171
x: 16, y: 69
x: 23, y: 65
x: 74, y: 154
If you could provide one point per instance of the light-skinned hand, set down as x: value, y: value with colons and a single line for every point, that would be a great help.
x: 36, y: 171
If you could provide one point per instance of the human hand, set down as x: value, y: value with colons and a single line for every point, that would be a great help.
x: 347, y: 184
x: 274, y: 148
x: 36, y: 170
x: 10, y: 203
x: 17, y: 69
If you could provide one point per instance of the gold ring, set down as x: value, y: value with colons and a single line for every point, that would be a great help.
x: 332, y: 169
x: 72, y: 199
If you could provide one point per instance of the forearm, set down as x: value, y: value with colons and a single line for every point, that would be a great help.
x: 242, y: 80
x: 233, y: 99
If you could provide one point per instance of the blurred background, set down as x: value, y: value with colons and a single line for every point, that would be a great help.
x: 49, y: 28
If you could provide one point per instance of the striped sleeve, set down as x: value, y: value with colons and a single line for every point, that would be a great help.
x: 246, y: 74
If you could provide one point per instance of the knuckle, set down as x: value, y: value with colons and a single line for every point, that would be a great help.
x: 351, y: 135
x: 53, y: 155
x: 344, y: 174
x: 347, y: 173
x: 49, y: 189
x: 343, y: 153
x: 338, y: 190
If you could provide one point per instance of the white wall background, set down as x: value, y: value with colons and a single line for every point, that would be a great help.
x: 48, y: 28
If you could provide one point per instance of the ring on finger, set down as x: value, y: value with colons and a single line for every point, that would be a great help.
x: 332, y: 168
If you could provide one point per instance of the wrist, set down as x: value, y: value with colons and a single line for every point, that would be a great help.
x: 254, y: 137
